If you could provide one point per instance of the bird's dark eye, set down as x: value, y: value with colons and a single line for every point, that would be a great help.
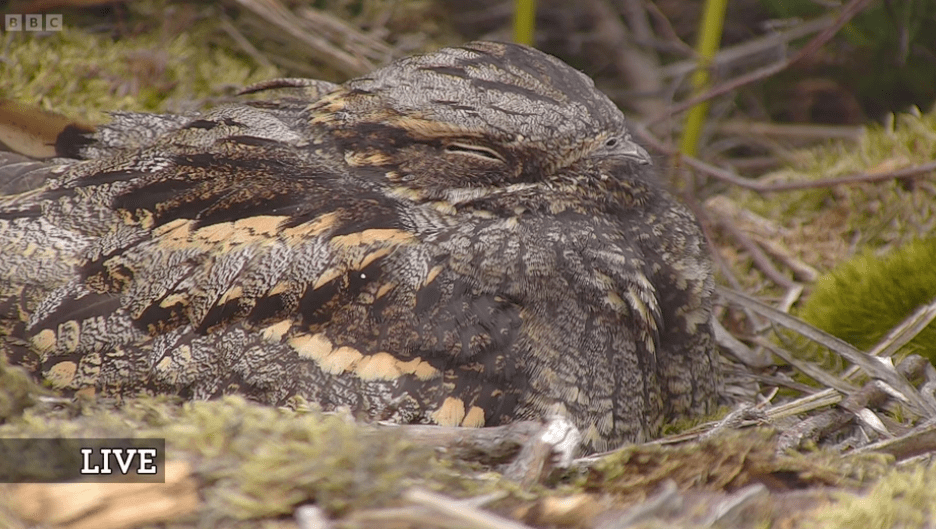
x: 611, y: 142
x: 474, y: 150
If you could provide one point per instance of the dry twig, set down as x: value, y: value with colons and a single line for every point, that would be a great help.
x: 874, y: 366
x: 730, y: 177
x: 847, y: 13
x: 457, y: 510
x: 757, y: 255
x: 872, y: 395
x: 313, y: 33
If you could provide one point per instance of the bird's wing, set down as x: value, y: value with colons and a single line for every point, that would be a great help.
x: 216, y: 261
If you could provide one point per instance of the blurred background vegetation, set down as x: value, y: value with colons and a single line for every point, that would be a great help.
x: 639, y: 51
x: 860, y: 107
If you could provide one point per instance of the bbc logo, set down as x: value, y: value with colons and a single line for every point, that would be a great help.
x: 32, y: 22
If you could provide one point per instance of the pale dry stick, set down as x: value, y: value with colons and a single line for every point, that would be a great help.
x: 282, y: 18
x: 740, y: 418
x: 408, y: 517
x: 750, y: 416
x: 919, y: 441
x: 493, y: 445
x: 845, y: 14
x: 807, y: 368
x: 669, y: 33
x: 902, y: 334
x: 915, y: 171
x: 799, y: 131
x: 780, y: 380
x: 761, y: 261
x: 667, y: 500
x: 765, y: 400
x: 897, y: 338
x: 874, y: 366
x: 638, y: 19
x: 762, y: 231
x: 734, y: 420
x: 736, y: 348
x: 855, y: 406
x: 312, y: 517
x: 346, y: 36
x: 776, y: 250
x: 554, y: 446
x: 460, y: 511
x: 416, y: 515
x: 728, y: 512
x: 724, y: 175
x: 791, y: 296
x: 821, y: 399
x: 749, y: 49
x: 228, y: 27
x: 638, y: 66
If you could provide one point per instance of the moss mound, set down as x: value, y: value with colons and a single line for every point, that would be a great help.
x: 866, y: 296
x: 170, y: 62
x: 254, y: 461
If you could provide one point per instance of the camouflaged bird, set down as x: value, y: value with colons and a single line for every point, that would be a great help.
x: 468, y: 237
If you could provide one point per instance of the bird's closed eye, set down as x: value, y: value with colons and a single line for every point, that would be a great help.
x: 474, y: 150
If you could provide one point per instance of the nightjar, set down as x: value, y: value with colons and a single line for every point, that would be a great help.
x: 468, y: 237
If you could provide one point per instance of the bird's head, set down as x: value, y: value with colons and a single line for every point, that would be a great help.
x: 473, y: 120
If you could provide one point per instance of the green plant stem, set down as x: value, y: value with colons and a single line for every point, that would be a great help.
x: 710, y: 32
x: 524, y: 21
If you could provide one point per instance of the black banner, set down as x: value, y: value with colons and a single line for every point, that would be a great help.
x: 82, y: 460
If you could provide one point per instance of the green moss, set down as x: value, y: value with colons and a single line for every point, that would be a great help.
x: 874, y: 213
x: 688, y: 422
x: 254, y: 461
x: 823, y: 227
x: 18, y: 390
x: 728, y: 461
x: 79, y: 72
x: 865, y: 297
x: 903, y: 498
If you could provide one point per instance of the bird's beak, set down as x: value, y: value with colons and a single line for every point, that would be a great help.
x: 636, y: 152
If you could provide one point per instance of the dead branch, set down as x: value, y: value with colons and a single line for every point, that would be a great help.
x: 847, y: 13
x: 749, y: 51
x: 798, y: 131
x: 639, y: 67
x: 330, y: 53
x: 872, y: 365
x: 730, y: 177
x: 807, y: 368
x: 460, y: 511
x: 871, y: 395
x: 757, y: 255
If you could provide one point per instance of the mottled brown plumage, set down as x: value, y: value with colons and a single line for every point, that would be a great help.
x: 468, y: 237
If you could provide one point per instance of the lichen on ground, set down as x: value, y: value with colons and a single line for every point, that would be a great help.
x: 822, y: 227
x: 165, y: 66
x: 904, y: 497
